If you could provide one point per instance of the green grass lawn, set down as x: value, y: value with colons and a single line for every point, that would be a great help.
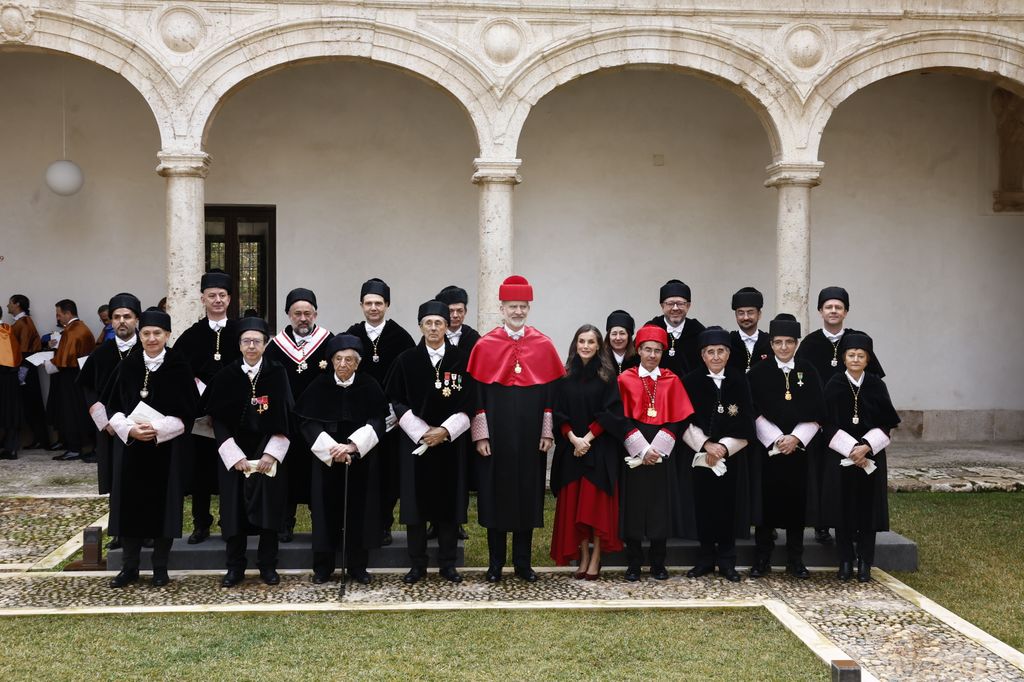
x: 971, y: 551
x: 735, y: 644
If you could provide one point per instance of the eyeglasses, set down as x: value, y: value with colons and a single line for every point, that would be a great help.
x: 251, y: 342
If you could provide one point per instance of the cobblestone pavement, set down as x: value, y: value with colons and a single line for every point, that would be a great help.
x: 891, y: 637
x: 965, y: 479
x: 31, y: 528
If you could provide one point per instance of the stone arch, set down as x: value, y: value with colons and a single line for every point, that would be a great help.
x: 108, y: 47
x: 742, y: 69
x: 277, y: 47
x: 982, y: 55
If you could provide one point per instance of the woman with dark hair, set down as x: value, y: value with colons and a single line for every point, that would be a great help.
x: 619, y: 351
x: 855, y: 494
x: 584, y: 472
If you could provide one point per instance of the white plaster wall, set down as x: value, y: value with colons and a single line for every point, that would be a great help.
x: 600, y: 227
x: 110, y: 236
x: 903, y: 219
x: 370, y: 171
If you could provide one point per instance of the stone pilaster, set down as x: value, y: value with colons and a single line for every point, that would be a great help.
x: 496, y: 178
x: 793, y: 235
x: 186, y: 233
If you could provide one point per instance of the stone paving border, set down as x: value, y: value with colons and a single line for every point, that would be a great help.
x: 45, y: 550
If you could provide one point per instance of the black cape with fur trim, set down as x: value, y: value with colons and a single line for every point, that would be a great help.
x: 432, y: 486
x: 581, y: 399
x: 850, y: 497
x: 256, y: 502
x: 717, y: 499
x: 784, y: 489
x: 147, y: 486
x: 468, y: 339
x: 738, y: 357
x: 687, y: 354
x: 326, y: 407
x: 819, y: 351
x: 98, y: 369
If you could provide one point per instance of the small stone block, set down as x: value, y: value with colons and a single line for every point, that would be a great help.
x: 845, y: 671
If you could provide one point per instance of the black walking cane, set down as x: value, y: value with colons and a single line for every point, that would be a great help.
x: 344, y: 529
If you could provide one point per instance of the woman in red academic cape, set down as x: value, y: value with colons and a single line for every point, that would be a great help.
x: 589, y: 431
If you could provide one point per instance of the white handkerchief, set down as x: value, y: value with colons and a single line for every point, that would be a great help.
x: 253, y: 463
x: 774, y: 451
x: 144, y: 414
x: 421, y: 449
x: 701, y: 460
x: 847, y: 462
x: 203, y: 427
x: 634, y: 462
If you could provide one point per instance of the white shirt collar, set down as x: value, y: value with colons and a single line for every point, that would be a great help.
x: 654, y: 373
x: 216, y: 325
x: 125, y: 345
x: 300, y: 340
x: 153, y: 364
x: 619, y: 358
x: 253, y: 369
x: 675, y: 331
x: 20, y: 315
x: 790, y: 366
x: 435, y: 354
x: 855, y: 382
x: 832, y: 337
x: 717, y: 377
x: 374, y: 332
x: 749, y: 338
x: 514, y: 335
x: 344, y: 384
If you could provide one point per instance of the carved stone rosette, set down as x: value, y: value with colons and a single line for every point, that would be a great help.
x: 17, y: 22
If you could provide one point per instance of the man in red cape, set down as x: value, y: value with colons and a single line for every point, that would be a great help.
x: 515, y: 367
x: 655, y: 402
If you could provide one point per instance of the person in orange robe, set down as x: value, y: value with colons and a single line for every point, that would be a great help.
x: 66, y: 404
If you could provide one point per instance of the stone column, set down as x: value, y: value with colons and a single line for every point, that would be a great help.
x: 496, y: 178
x: 793, y: 235
x: 186, y: 233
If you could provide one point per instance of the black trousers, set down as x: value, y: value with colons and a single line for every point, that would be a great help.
x: 132, y: 550
x: 865, y: 541
x: 656, y: 553
x: 766, y: 544
x: 357, y: 559
x: 35, y: 409
x: 12, y: 439
x: 447, y: 544
x: 522, y: 547
x: 201, y: 517
x: 266, y: 555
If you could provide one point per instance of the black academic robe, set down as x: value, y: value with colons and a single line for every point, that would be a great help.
x: 820, y: 352
x: 199, y: 344
x: 147, y: 486
x: 850, y: 497
x: 740, y: 359
x: 716, y: 499
x: 627, y: 362
x: 585, y: 402
x: 687, y: 352
x: 317, y: 364
x: 784, y: 489
x: 257, y: 502
x: 11, y: 411
x: 432, y: 485
x: 467, y: 340
x: 326, y: 407
x: 92, y: 380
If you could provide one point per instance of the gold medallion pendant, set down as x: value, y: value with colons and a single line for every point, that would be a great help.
x: 651, y: 412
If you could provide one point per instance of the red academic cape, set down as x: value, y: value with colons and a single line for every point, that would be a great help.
x: 493, y: 360
x: 670, y: 398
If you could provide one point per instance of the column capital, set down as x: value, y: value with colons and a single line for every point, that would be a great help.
x: 183, y: 164
x: 799, y: 173
x: 497, y: 170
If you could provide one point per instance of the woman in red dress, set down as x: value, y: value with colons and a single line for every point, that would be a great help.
x: 588, y: 453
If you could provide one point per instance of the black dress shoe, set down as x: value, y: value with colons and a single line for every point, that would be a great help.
x: 115, y: 543
x: 269, y: 576
x: 528, y: 574
x: 7, y: 454
x: 493, y: 575
x: 360, y: 575
x: 147, y: 543
x: 463, y: 535
x: 760, y: 568
x: 822, y: 536
x: 699, y: 571
x: 730, y: 574
x: 125, y: 577
x: 160, y: 577
x: 67, y: 456
x: 450, y: 574
x: 414, y: 575
x: 863, y: 571
x: 431, y: 531
x: 53, y: 447
x: 633, y: 574
x: 37, y: 445
x: 198, y: 535
x: 387, y: 539
x: 286, y: 536
x: 321, y: 578
x: 659, y: 573
x: 798, y: 571
x: 232, y: 578
x: 845, y: 570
